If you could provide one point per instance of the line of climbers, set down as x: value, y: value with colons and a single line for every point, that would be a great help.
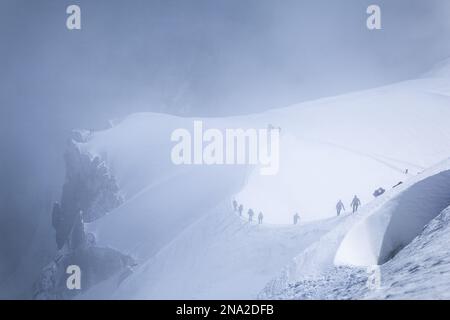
x: 240, y: 208
x: 250, y: 212
x: 355, y: 204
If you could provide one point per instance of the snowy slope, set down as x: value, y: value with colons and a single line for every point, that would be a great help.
x: 439, y: 70
x: 386, y: 230
x: 220, y: 257
x: 335, y: 266
x: 177, y: 222
x: 160, y: 199
x: 334, y: 148
x: 330, y: 148
x: 419, y: 271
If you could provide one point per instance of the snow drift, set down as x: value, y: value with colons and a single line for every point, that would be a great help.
x: 380, y: 235
x: 420, y: 270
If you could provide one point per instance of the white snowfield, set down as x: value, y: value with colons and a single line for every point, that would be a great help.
x: 179, y: 223
x: 220, y: 257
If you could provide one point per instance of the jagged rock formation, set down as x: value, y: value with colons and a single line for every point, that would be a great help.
x: 97, y: 264
x: 89, y: 189
x: 89, y: 192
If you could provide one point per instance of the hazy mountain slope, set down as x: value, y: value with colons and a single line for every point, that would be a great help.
x: 330, y: 149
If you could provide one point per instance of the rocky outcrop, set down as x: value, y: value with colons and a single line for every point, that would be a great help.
x: 96, y: 264
x: 89, y: 193
x: 89, y: 190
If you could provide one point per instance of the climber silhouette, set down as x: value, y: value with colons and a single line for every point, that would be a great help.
x: 296, y: 218
x: 355, y: 203
x: 241, y: 208
x: 250, y: 215
x: 339, y: 207
x: 260, y: 218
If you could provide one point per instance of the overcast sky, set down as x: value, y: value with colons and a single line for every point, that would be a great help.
x: 209, y: 57
x: 187, y: 57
